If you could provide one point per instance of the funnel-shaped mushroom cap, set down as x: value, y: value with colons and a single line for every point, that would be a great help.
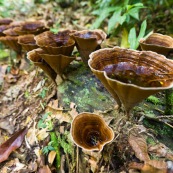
x: 159, y: 43
x: 57, y: 62
x: 27, y: 42
x: 38, y: 61
x: 11, y: 42
x: 90, y: 132
x: 2, y: 29
x: 5, y: 21
x: 16, y: 24
x: 88, y: 41
x: 10, y: 32
x: 34, y: 27
x: 60, y: 43
x: 132, y: 75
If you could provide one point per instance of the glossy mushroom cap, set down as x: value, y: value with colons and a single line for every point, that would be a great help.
x: 159, y: 43
x: 131, y: 76
x: 34, y: 57
x: 11, y: 42
x: 2, y: 29
x: 5, y: 21
x: 33, y: 27
x: 54, y: 44
x: 57, y: 62
x: 27, y: 42
x: 10, y: 32
x: 90, y: 132
x: 88, y: 41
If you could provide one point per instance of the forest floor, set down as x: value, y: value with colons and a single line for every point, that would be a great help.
x: 28, y: 98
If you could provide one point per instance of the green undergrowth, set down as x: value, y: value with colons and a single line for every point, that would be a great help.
x: 82, y: 88
x: 162, y: 132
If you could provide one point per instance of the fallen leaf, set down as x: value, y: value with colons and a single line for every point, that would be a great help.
x: 57, y: 112
x: 154, y: 166
x: 42, y: 134
x: 44, y: 169
x: 11, y: 144
x: 139, y: 145
x: 51, y: 156
x: 6, y: 125
x: 160, y: 150
x: 73, y: 111
x: 151, y: 166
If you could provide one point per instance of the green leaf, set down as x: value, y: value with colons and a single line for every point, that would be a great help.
x: 41, y: 124
x: 104, y: 13
x: 124, y: 39
x: 134, y: 12
x: 116, y: 19
x: 142, y: 30
x: 132, y: 38
x: 50, y: 148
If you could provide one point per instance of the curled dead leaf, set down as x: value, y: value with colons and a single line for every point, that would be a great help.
x: 152, y: 166
x: 11, y: 144
x: 139, y: 145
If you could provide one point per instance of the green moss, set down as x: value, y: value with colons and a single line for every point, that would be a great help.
x: 153, y: 100
x: 162, y: 131
x: 4, y: 54
x: 151, y: 141
x: 84, y: 90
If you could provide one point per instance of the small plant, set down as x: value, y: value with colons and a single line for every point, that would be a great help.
x: 122, y: 19
x: 48, y: 148
x: 42, y: 123
x: 65, y: 142
x: 43, y: 92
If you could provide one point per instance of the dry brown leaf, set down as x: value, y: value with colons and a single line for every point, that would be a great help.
x: 73, y: 111
x: 11, y: 144
x: 160, y: 150
x: 139, y: 145
x: 57, y: 112
x: 155, y: 166
x: 152, y: 166
x: 6, y: 125
x: 51, y: 156
x: 44, y: 169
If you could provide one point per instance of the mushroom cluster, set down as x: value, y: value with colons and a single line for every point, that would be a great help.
x: 10, y: 34
x: 55, y: 50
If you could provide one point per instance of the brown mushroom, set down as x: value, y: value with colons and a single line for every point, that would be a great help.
x: 30, y: 27
x: 159, y: 43
x: 88, y: 41
x: 5, y: 21
x: 34, y: 57
x: 2, y: 29
x: 54, y: 44
x: 90, y: 132
x: 131, y: 76
x: 12, y: 42
x: 27, y: 42
x: 57, y: 62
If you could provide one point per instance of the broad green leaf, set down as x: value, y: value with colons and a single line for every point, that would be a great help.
x: 134, y: 12
x: 114, y: 20
x: 103, y: 15
x: 142, y: 30
x: 132, y: 38
x: 124, y: 39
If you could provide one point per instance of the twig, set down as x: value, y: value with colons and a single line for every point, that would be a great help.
x: 77, y: 159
